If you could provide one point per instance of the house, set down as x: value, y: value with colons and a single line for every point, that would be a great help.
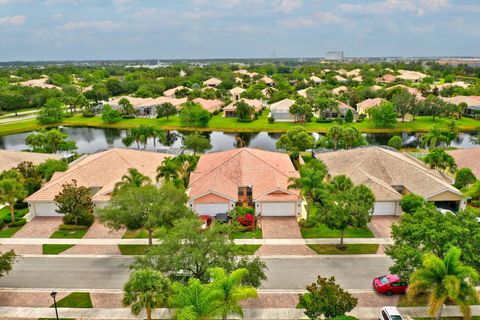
x: 236, y: 92
x: 303, y: 92
x: 340, y: 78
x: 209, y: 105
x: 10, y: 159
x: 245, y: 176
x: 316, y: 79
x: 170, y: 93
x: 246, y: 73
x: 339, y: 90
x: 412, y: 91
x: 363, y: 106
x: 99, y: 172
x: 376, y: 87
x: 467, y: 158
x: 146, y: 107
x: 230, y: 111
x: 280, y: 111
x: 461, y: 84
x: 413, y: 76
x: 341, y: 111
x: 358, y: 79
x: 388, y: 78
x: 472, y: 102
x: 212, y: 82
x: 353, y: 73
x: 266, y: 91
x: 390, y: 175
x: 267, y: 80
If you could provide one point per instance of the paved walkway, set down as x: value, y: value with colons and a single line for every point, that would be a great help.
x: 39, y: 227
x: 282, y: 228
x: 99, y: 231
x: 381, y: 226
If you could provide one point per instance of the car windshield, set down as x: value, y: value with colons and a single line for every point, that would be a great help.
x: 396, y: 317
x: 384, y: 280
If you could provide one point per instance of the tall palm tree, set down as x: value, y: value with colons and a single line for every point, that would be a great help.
x: 195, y: 300
x: 134, y: 178
x: 145, y: 289
x: 177, y: 170
x: 158, y: 135
x: 434, y: 138
x: 11, y: 190
x: 445, y: 279
x: 310, y: 180
x: 335, y: 133
x: 233, y: 290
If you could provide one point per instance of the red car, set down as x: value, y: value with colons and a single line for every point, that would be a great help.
x: 207, y: 221
x: 389, y: 285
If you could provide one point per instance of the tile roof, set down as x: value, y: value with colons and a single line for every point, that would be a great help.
x: 471, y: 101
x: 102, y: 170
x: 282, y: 105
x: 382, y: 168
x: 147, y: 102
x: 10, y: 159
x: 171, y: 92
x: 237, y: 90
x: 212, y: 82
x: 223, y: 172
x: 411, y: 75
x: 255, y: 103
x: 367, y: 104
x: 209, y: 105
x: 467, y: 158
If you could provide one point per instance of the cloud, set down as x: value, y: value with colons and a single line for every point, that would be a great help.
x: 418, y: 7
x: 13, y: 21
x: 5, y: 1
x: 317, y: 18
x: 287, y: 6
x: 105, y: 25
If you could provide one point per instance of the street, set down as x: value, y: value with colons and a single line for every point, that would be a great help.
x: 111, y: 272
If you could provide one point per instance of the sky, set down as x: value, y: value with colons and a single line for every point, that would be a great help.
x: 199, y: 29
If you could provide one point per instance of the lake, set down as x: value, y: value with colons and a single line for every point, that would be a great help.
x: 92, y: 139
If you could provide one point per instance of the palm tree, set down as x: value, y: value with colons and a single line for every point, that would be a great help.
x: 445, y: 279
x: 11, y: 190
x: 310, y: 180
x: 145, y: 289
x: 177, y: 170
x: 134, y: 178
x: 434, y: 137
x: 158, y: 134
x: 195, y: 300
x: 233, y: 290
x: 335, y: 133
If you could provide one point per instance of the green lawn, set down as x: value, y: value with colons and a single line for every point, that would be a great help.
x: 322, y: 231
x: 241, y: 233
x: 19, y: 213
x: 68, y: 234
x: 219, y: 123
x: 55, y: 248
x: 143, y: 234
x: 75, y: 300
x: 420, y: 301
x: 246, y: 250
x: 9, y: 232
x: 133, y: 249
x: 351, y: 249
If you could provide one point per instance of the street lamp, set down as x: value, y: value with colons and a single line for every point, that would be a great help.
x: 53, y: 295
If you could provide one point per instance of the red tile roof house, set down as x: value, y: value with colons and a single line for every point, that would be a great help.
x: 209, y: 105
x: 260, y: 178
x: 99, y: 172
x: 231, y: 110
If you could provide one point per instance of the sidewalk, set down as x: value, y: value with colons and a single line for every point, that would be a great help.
x: 113, y: 241
x: 280, y: 313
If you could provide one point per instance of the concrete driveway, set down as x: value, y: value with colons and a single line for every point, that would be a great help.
x: 381, y: 226
x: 39, y: 227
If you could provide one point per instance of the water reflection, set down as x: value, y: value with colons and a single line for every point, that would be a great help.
x: 93, y: 139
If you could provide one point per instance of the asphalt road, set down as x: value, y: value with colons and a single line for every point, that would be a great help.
x: 111, y: 273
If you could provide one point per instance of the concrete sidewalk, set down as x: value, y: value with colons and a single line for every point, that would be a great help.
x: 113, y: 241
x: 280, y: 313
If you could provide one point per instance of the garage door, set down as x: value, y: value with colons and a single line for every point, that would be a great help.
x: 211, y: 209
x: 384, y: 208
x: 46, y: 209
x: 278, y: 209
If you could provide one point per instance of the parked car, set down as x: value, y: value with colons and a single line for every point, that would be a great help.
x: 389, y: 285
x: 390, y: 313
x: 207, y: 221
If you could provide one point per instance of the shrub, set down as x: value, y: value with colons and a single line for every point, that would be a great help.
x: 71, y: 227
x: 271, y: 120
x: 307, y: 223
x: 248, y: 220
x: 475, y: 203
x: 21, y: 205
x: 2, y: 224
x: 464, y: 177
x: 215, y: 112
x: 18, y: 223
x: 323, y: 120
x: 85, y: 219
x: 395, y: 142
x: 411, y: 203
x: 338, y: 121
x: 128, y: 116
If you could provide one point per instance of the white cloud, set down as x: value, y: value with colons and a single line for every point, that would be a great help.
x: 418, y: 7
x: 5, y: 1
x: 287, y: 6
x: 12, y: 20
x: 105, y: 25
x: 316, y: 18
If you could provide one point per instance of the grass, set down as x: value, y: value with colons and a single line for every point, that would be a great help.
x: 219, y: 123
x: 243, y: 234
x: 322, y: 231
x: 246, y: 250
x: 19, y: 213
x: 350, y: 249
x: 55, y: 248
x: 9, y: 232
x: 68, y: 234
x: 75, y: 300
x: 133, y: 249
x: 143, y: 234
x: 420, y: 301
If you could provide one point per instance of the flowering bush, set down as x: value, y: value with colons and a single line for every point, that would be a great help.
x: 247, y: 220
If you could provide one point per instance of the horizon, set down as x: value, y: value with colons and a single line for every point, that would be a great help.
x: 87, y: 30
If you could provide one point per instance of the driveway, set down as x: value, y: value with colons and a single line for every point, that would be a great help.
x: 381, y: 225
x: 99, y: 231
x: 282, y: 228
x: 39, y: 227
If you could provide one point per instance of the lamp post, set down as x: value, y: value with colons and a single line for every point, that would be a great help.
x: 53, y: 295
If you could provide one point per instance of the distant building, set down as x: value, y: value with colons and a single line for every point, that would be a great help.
x: 334, y: 55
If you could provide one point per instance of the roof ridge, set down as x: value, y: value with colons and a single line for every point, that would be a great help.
x: 236, y: 151
x: 380, y: 182
x: 248, y: 149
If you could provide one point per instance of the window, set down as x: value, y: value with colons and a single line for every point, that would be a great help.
x: 384, y: 315
x: 240, y: 192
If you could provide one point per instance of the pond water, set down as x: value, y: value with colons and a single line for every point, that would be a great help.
x: 93, y: 139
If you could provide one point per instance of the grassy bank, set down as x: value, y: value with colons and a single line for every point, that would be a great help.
x: 350, y: 249
x: 219, y: 123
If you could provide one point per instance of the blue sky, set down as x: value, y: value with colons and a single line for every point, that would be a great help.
x: 137, y: 29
